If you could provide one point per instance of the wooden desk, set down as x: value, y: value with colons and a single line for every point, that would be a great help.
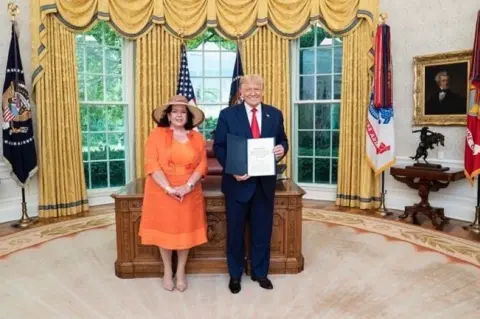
x: 136, y: 260
x: 426, y: 181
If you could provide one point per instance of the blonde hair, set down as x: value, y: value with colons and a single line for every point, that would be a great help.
x: 252, y: 78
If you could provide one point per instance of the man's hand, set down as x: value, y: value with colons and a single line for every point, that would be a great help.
x: 241, y: 178
x: 278, y: 151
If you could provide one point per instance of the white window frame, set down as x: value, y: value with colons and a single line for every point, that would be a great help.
x: 102, y: 196
x: 318, y: 191
x: 201, y: 104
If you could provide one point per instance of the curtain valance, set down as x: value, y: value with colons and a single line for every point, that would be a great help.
x: 189, y: 18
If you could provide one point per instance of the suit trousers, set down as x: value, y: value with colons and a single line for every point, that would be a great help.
x: 258, y: 211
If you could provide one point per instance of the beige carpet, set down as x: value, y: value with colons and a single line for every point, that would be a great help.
x: 350, y: 272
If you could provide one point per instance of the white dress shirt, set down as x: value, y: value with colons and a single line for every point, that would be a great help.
x: 258, y: 114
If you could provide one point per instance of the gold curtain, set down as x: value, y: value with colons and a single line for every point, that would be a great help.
x: 357, y: 184
x: 157, y: 64
x: 61, y: 177
x: 263, y: 53
x: 232, y: 19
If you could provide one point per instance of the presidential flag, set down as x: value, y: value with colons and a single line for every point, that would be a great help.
x: 235, y: 86
x: 380, y: 130
x: 18, y: 139
x: 472, y: 139
x: 184, y: 85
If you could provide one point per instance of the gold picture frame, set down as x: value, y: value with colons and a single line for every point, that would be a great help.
x: 431, y: 107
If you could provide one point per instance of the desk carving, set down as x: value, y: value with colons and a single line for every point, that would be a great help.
x: 425, y: 181
x: 136, y: 260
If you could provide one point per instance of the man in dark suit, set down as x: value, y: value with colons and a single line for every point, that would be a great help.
x: 444, y: 100
x: 249, y: 198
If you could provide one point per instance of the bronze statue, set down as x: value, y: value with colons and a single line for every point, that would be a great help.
x: 428, y: 140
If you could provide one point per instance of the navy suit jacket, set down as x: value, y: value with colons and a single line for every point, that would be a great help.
x: 234, y: 120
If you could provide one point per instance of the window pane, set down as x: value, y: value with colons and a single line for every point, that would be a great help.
x: 322, y: 143
x: 334, y: 170
x: 116, y: 146
x: 81, y: 88
x: 99, y: 174
x: 228, y: 63
x: 337, y: 62
x: 98, y: 146
x: 324, y: 87
x: 80, y: 59
x: 305, y: 143
x: 94, y: 57
x: 94, y: 88
x: 226, y: 84
x: 116, y: 118
x: 210, y: 123
x: 86, y: 173
x: 96, y: 118
x: 322, y: 116
x: 212, y: 91
x: 212, y: 111
x: 197, y: 84
x: 211, y: 46
x: 117, y: 173
x: 85, y: 146
x: 195, y: 63
x: 307, y: 40
x: 307, y: 62
x: 305, y: 170
x: 212, y: 67
x: 335, y: 143
x: 305, y: 116
x: 114, y: 88
x: 84, y: 118
x: 307, y: 88
x: 111, y: 38
x: 322, y: 170
x: 335, y: 116
x: 113, y: 60
x: 337, y: 87
x: 324, y: 60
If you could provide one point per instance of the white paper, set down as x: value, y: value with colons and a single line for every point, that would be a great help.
x: 261, y: 159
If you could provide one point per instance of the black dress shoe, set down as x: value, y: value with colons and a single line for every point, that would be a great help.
x: 234, y: 285
x: 265, y: 283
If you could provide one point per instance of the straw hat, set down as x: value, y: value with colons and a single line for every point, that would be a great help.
x: 198, y: 115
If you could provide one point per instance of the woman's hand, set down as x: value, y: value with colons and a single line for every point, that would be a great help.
x: 172, y: 192
x: 183, y: 190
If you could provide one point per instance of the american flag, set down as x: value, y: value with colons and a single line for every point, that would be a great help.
x: 184, y: 86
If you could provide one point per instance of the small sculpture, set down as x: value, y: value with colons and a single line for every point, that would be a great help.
x: 428, y: 140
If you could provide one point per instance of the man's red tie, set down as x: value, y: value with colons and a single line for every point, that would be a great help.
x: 255, y: 129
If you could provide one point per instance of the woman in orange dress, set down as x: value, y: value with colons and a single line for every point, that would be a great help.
x: 173, y: 212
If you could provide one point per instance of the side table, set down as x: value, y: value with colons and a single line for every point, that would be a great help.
x: 426, y: 180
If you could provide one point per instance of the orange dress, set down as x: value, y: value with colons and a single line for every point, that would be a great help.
x: 167, y: 222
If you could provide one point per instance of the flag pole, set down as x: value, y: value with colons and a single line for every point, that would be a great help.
x: 382, y: 210
x: 475, y: 225
x: 25, y: 221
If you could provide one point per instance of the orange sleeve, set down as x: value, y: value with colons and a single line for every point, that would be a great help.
x: 202, y: 166
x: 152, y: 162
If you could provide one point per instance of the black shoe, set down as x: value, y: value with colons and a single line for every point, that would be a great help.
x: 265, y: 283
x: 234, y: 285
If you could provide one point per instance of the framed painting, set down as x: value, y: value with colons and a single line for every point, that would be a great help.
x: 441, y: 87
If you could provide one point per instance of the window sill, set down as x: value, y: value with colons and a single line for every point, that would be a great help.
x: 326, y: 192
x: 101, y: 196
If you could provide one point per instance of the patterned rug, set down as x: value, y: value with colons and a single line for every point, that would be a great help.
x: 353, y: 269
x: 456, y: 248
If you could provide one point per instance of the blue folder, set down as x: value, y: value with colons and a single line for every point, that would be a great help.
x: 236, y: 161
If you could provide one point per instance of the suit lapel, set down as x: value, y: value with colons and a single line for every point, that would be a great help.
x: 266, y: 121
x: 243, y: 120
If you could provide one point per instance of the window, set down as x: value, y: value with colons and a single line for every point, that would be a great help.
x: 103, y: 107
x: 318, y: 77
x: 211, y: 60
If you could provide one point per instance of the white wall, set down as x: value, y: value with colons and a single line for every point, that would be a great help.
x: 418, y: 28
